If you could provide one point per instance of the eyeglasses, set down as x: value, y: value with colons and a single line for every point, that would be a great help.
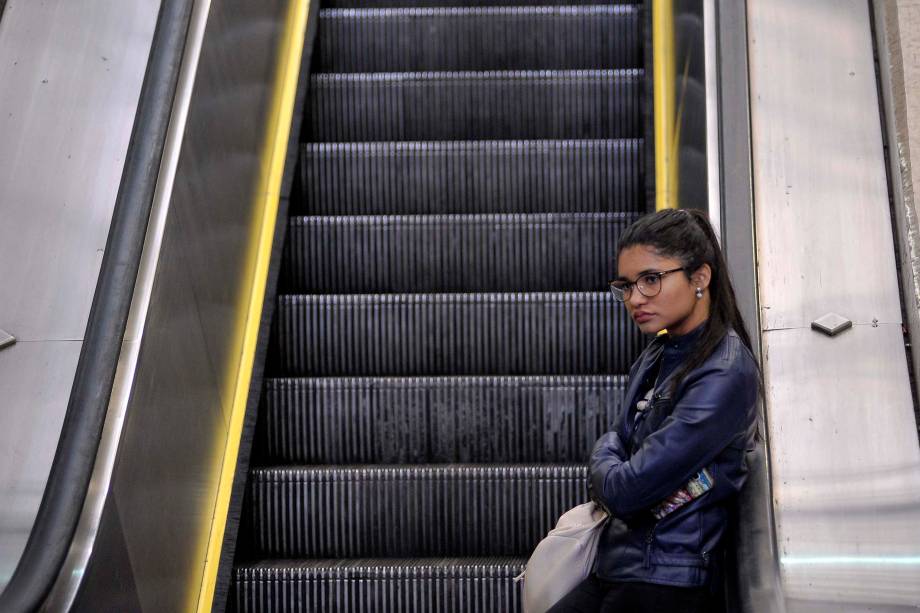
x: 648, y: 284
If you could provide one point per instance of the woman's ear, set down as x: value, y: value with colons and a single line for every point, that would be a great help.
x: 702, y: 276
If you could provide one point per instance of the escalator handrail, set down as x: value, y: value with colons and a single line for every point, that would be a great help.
x: 69, y: 477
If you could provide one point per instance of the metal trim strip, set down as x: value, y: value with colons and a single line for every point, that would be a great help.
x: 713, y: 155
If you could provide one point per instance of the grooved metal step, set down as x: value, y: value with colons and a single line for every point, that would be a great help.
x: 408, y: 585
x: 392, y: 420
x: 451, y: 253
x: 367, y: 4
x: 534, y: 104
x: 442, y: 334
x: 472, y: 177
x: 478, y: 38
x: 392, y: 511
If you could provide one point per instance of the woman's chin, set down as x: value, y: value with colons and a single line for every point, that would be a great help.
x: 650, y: 327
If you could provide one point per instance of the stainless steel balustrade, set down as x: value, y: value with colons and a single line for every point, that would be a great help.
x: 71, y: 73
x: 843, y: 438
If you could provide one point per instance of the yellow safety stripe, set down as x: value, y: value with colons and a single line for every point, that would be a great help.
x: 265, y: 207
x: 665, y: 122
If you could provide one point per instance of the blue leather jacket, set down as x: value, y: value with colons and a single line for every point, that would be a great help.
x: 708, y: 422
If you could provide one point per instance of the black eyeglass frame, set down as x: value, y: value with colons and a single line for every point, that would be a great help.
x: 622, y: 294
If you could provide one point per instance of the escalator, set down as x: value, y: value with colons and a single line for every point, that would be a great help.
x: 411, y: 409
x: 444, y: 351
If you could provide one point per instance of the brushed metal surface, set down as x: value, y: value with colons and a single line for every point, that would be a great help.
x: 831, y: 324
x: 844, y: 453
x: 176, y: 418
x: 71, y: 75
x: 65, y: 588
x: 820, y: 181
x: 31, y: 388
x: 757, y: 564
x: 713, y: 145
x: 846, y: 468
x: 68, y: 580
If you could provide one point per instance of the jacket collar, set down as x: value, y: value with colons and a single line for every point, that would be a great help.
x: 646, y: 361
x: 665, y: 343
x: 685, y: 342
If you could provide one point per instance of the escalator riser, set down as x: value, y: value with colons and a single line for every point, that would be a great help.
x: 386, y: 420
x: 479, y: 585
x: 472, y: 177
x: 457, y: 253
x: 369, y: 4
x: 479, y: 105
x: 474, y: 38
x: 433, y: 510
x: 443, y: 334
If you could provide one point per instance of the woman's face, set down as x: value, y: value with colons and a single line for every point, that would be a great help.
x: 676, y: 307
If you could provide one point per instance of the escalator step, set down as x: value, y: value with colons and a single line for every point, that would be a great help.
x: 406, y: 585
x: 475, y: 105
x: 478, y: 38
x: 422, y: 510
x: 472, y: 177
x: 451, y: 253
x: 393, y: 420
x: 359, y: 4
x: 441, y: 334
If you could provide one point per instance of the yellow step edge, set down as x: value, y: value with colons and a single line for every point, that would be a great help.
x: 265, y: 207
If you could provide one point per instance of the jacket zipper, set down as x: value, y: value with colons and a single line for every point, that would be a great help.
x: 649, y: 537
x: 637, y: 421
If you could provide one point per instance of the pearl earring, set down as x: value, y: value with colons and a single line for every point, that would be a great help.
x: 699, y: 292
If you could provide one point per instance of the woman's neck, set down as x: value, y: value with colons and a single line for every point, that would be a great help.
x: 694, y: 320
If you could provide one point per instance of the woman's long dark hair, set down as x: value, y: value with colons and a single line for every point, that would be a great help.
x: 686, y: 235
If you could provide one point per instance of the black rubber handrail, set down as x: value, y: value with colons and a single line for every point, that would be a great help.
x: 65, y: 492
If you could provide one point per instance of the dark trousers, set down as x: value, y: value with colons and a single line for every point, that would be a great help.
x: 595, y: 595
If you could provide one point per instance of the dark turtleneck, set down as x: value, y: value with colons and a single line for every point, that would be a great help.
x: 677, y: 349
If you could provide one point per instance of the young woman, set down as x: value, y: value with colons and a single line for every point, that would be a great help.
x: 675, y: 458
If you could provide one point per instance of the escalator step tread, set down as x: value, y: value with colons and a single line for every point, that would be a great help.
x: 369, y: 568
x: 366, y: 4
x: 478, y: 38
x: 517, y: 176
x: 410, y: 510
x: 442, y: 334
x: 403, y: 585
x: 390, y: 420
x: 451, y: 253
x: 538, y: 104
